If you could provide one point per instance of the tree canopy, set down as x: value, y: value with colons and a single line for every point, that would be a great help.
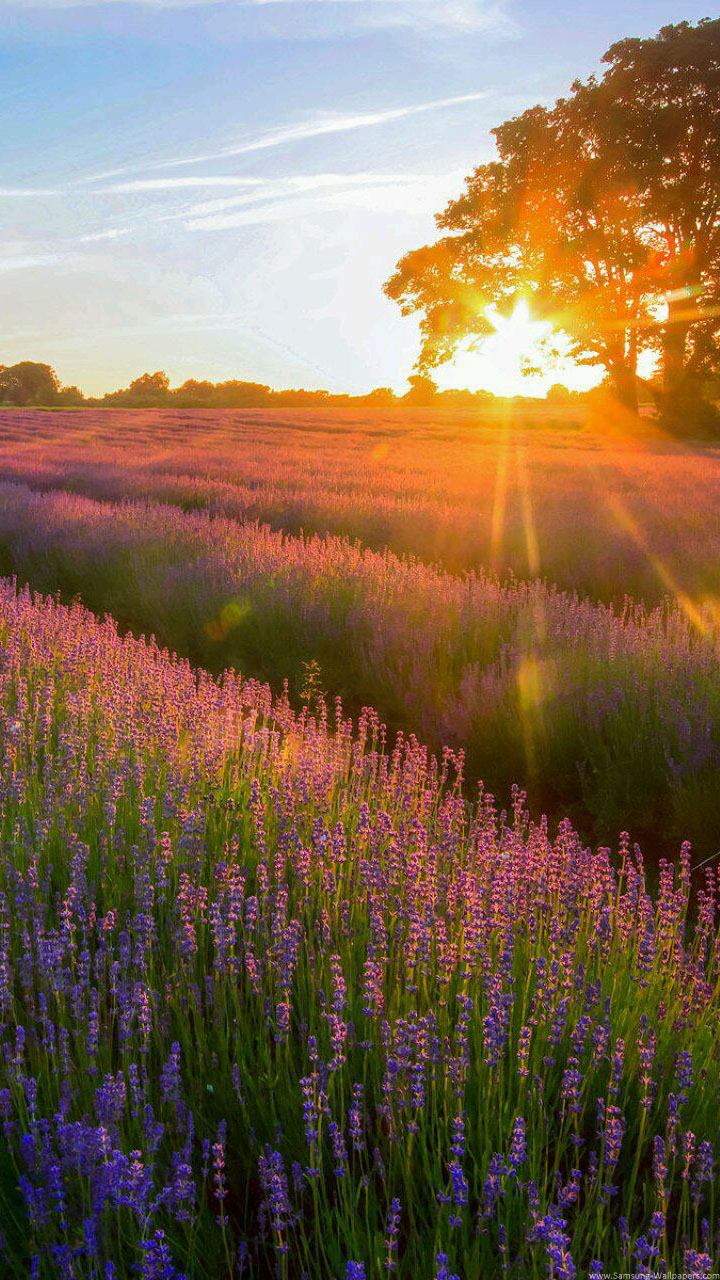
x: 603, y: 211
x: 28, y: 383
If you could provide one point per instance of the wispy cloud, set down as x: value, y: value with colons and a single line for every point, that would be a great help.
x: 435, y: 15
x: 27, y: 261
x: 278, y: 202
x: 322, y: 126
x: 256, y: 200
x: 252, y: 201
x: 27, y: 254
x: 139, y: 185
x: 27, y: 193
x: 97, y: 237
x: 475, y: 15
x: 257, y: 188
x: 319, y: 126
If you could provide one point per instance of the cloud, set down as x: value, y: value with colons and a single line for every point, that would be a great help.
x: 468, y: 15
x: 257, y: 200
x: 286, y: 16
x: 264, y: 200
x: 322, y: 126
x: 177, y: 184
x: 319, y: 126
x: 112, y: 233
x: 257, y: 188
x: 27, y: 261
x: 29, y: 254
x: 280, y: 202
x: 27, y: 193
x: 253, y: 201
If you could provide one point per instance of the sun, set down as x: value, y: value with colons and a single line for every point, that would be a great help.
x: 499, y: 363
x: 518, y: 332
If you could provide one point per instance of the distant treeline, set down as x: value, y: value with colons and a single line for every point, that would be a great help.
x: 29, y: 383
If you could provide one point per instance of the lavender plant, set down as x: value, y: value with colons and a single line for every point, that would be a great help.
x: 604, y: 712
x: 277, y: 1000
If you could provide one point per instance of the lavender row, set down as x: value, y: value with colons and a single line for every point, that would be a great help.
x: 586, y: 509
x: 276, y: 1000
x: 611, y: 713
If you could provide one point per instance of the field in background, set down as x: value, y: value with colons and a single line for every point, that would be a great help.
x: 583, y: 502
x: 189, y: 525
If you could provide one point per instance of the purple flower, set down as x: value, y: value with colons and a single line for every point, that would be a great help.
x: 571, y: 1086
x: 170, y: 1076
x: 660, y: 1169
x: 276, y: 1201
x: 391, y: 1235
x: 156, y: 1261
x: 613, y: 1135
x: 705, y: 1162
x: 218, y: 1161
x: 457, y: 1148
x: 684, y: 1072
x: 337, y: 1139
x: 518, y: 1146
x: 551, y: 1230
x: 443, y: 1268
x: 356, y: 1118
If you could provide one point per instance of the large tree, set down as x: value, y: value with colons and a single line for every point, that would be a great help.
x: 658, y: 108
x: 149, y: 387
x: 584, y: 214
x: 28, y: 383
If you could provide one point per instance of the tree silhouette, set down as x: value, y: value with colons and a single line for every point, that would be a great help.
x: 150, y: 386
x: 658, y: 113
x: 28, y: 383
x: 598, y: 211
x: 422, y: 390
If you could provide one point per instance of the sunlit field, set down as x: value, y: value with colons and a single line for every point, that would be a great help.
x: 582, y: 498
x: 542, y: 597
x: 347, y: 927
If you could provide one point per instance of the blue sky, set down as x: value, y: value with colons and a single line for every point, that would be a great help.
x: 220, y: 190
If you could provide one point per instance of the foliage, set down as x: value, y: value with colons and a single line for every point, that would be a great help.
x: 599, y: 209
x: 149, y: 387
x: 28, y: 383
x: 422, y: 390
x: 659, y: 109
x: 153, y: 390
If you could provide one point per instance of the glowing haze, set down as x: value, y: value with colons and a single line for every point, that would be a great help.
x: 220, y: 189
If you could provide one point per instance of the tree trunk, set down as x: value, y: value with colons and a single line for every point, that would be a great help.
x: 675, y: 345
x: 685, y: 411
x: 625, y: 383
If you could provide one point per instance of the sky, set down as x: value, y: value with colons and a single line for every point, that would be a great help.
x: 219, y: 190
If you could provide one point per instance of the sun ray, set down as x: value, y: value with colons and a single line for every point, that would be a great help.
x: 625, y: 519
x: 531, y: 540
x: 499, y: 500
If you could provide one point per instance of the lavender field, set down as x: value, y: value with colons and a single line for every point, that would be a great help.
x: 356, y: 925
x: 582, y: 498
x: 574, y: 649
x: 273, y: 998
